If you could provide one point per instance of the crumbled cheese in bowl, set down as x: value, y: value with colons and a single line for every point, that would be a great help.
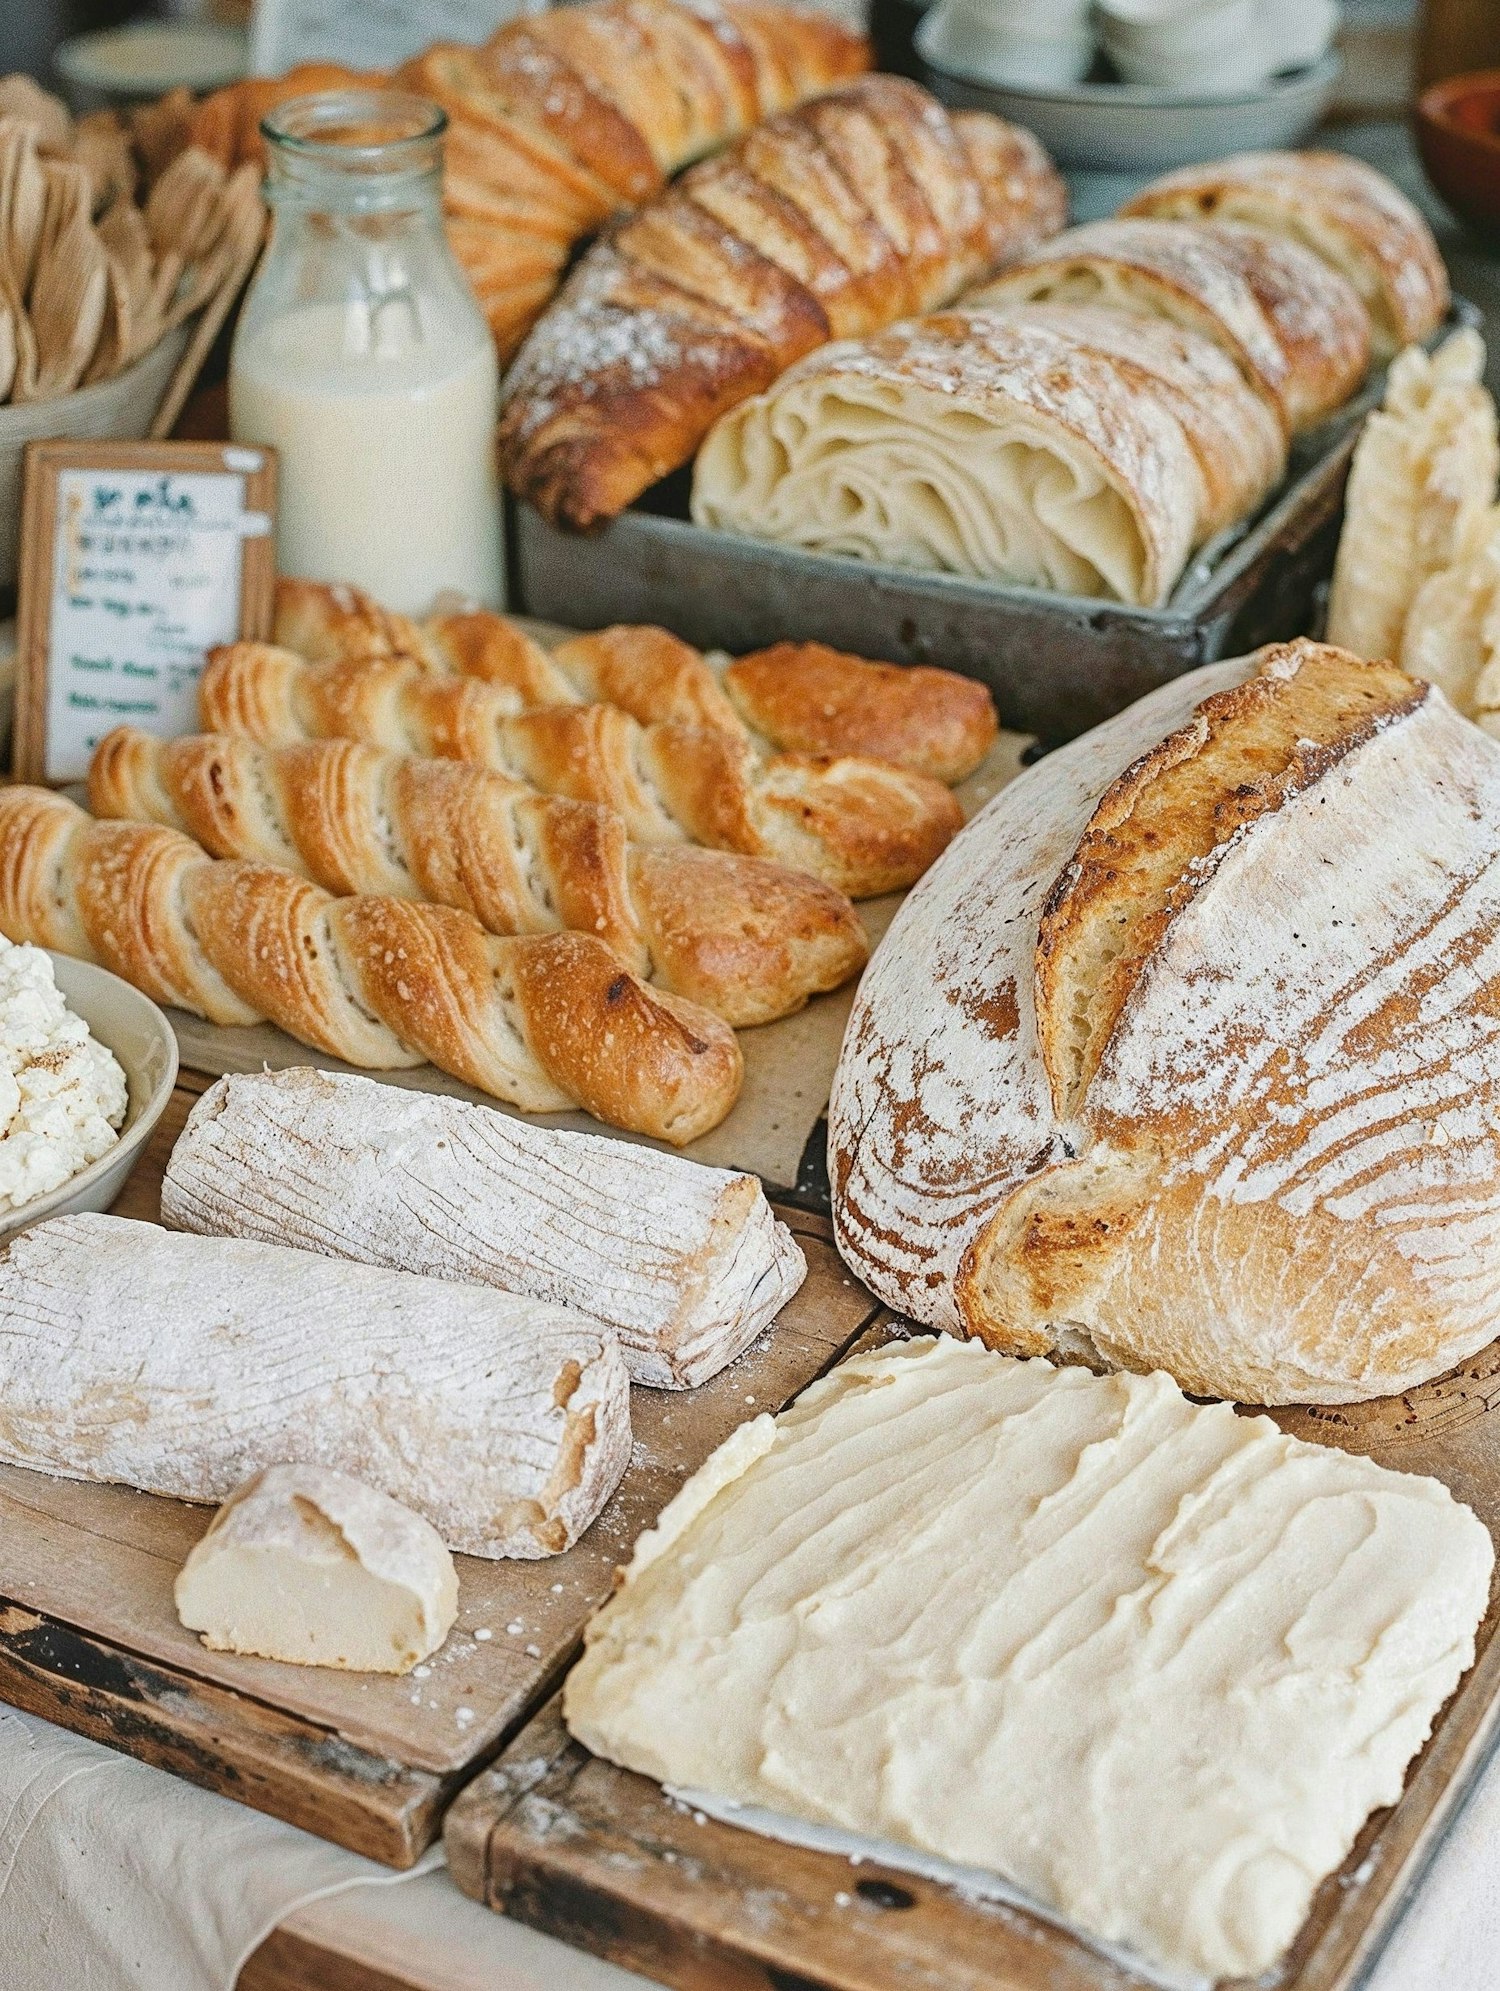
x: 62, y: 1092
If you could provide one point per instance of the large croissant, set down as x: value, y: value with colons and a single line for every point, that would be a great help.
x: 563, y: 118
x: 862, y: 826
x: 749, y: 940
x: 542, y: 1022
x: 803, y: 697
x: 865, y: 206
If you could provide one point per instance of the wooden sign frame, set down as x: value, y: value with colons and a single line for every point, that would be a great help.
x: 46, y: 461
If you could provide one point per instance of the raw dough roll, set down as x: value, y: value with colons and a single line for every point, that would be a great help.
x: 1073, y: 449
x: 181, y: 1365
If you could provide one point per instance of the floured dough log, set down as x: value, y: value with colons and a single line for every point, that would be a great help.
x: 1153, y: 1662
x: 317, y: 1569
x: 686, y: 1263
x: 182, y: 1365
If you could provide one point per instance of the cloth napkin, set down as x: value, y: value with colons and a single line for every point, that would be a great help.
x: 118, y: 1877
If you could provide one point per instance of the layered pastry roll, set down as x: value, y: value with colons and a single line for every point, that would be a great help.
x: 1069, y: 448
x: 1296, y: 328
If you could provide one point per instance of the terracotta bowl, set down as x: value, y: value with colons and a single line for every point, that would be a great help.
x: 1458, y: 135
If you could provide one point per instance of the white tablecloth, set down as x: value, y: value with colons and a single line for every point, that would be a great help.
x: 117, y: 1877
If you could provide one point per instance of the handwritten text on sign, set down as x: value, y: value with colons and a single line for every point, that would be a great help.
x: 146, y: 578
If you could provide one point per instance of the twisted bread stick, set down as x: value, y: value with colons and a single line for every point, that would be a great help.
x: 799, y: 696
x: 542, y: 1022
x: 860, y: 825
x: 750, y: 940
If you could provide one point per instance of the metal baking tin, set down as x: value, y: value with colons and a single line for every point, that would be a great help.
x: 1057, y: 664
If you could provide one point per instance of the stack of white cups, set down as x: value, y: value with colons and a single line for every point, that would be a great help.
x: 1213, y: 47
x: 1018, y: 42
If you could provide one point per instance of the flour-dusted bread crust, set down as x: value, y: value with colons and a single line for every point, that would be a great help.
x: 1294, y: 326
x: 1067, y: 447
x: 181, y: 1365
x: 1184, y: 1056
x: 1357, y: 220
x: 314, y: 1568
x: 865, y: 206
x: 1419, y: 496
x: 687, y: 1264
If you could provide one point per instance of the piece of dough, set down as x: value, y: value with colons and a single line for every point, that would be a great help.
x: 318, y: 1569
x: 1153, y: 1662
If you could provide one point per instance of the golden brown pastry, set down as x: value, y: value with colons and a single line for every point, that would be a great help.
x: 861, y: 826
x: 1296, y: 328
x: 864, y: 206
x: 543, y: 1022
x: 1345, y: 211
x: 748, y: 939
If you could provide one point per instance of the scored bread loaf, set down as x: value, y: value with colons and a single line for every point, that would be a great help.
x: 748, y: 939
x: 181, y: 1365
x: 565, y: 117
x: 1184, y: 1055
x: 543, y: 1022
x: 1296, y: 328
x: 862, y: 207
x: 686, y: 1264
x: 1065, y: 447
x: 801, y: 696
x: 1357, y: 220
x: 862, y: 826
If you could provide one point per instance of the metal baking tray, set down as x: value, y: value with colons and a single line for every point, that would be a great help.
x: 1057, y: 664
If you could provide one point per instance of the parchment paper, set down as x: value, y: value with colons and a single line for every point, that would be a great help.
x: 788, y: 1065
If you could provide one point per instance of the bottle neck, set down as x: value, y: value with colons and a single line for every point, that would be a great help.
x: 355, y: 152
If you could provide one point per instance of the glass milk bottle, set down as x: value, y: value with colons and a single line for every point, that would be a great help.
x: 362, y: 356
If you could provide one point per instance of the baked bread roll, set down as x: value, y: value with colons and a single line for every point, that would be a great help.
x: 315, y: 1568
x: 865, y: 206
x: 1294, y: 326
x: 1452, y: 633
x: 563, y: 118
x: 1184, y: 1058
x: 543, y: 1022
x: 861, y: 826
x: 181, y: 1365
x: 1069, y: 448
x: 748, y: 939
x: 1419, y: 494
x: 801, y: 696
x: 1347, y: 212
x: 687, y: 1264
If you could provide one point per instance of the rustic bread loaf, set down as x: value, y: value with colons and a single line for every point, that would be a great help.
x: 1357, y: 220
x: 865, y: 206
x: 1294, y: 326
x: 181, y: 1365
x: 687, y: 1264
x: 1184, y: 1055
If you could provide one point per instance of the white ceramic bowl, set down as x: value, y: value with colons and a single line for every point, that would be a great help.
x: 1127, y: 128
x: 966, y: 35
x: 141, y: 1038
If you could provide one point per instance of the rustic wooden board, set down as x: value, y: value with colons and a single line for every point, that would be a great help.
x: 89, y: 1636
x: 599, y: 1857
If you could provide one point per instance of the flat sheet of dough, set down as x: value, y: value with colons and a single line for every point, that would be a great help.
x: 1152, y: 1662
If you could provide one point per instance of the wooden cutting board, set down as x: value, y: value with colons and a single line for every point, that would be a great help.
x: 89, y: 1637
x: 599, y: 1857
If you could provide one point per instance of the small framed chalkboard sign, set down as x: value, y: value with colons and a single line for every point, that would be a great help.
x: 136, y: 558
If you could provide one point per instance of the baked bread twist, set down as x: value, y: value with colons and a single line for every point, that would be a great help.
x: 801, y: 696
x: 865, y: 206
x: 542, y: 1022
x: 859, y: 825
x: 747, y: 939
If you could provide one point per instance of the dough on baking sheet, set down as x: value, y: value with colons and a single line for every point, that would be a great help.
x: 1154, y: 1662
x: 318, y: 1569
